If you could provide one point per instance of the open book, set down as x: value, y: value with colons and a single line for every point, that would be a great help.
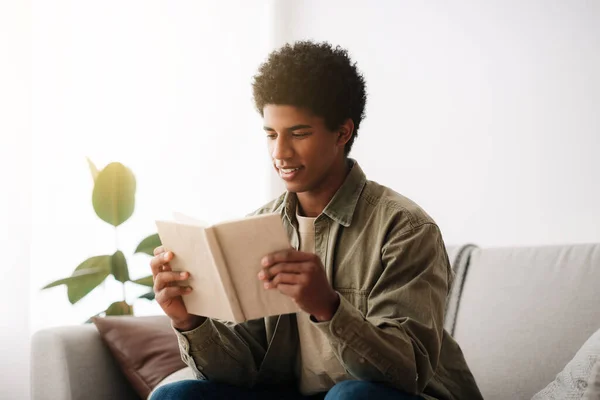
x: 223, y: 261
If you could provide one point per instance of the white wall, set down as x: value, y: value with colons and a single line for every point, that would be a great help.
x: 15, y: 196
x: 163, y: 87
x: 485, y: 113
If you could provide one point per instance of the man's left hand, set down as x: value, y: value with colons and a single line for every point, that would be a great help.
x: 302, y: 277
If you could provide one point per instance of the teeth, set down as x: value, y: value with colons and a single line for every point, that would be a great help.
x: 288, y: 171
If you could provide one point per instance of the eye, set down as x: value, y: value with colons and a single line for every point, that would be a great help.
x: 271, y: 136
x: 301, y: 134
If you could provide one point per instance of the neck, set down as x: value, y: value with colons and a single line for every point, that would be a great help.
x: 312, y: 203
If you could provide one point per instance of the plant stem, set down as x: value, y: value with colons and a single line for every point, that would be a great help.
x: 117, y: 249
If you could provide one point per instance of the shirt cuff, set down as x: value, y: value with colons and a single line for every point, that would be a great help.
x: 344, y: 322
x: 194, y: 339
x: 190, y: 341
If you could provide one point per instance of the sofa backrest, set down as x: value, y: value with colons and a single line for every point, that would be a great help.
x: 523, y: 314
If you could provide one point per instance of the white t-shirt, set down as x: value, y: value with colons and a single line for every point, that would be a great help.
x: 319, y: 369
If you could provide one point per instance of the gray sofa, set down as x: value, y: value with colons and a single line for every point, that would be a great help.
x: 520, y: 314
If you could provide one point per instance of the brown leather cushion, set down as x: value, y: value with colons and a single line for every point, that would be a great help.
x: 145, y: 348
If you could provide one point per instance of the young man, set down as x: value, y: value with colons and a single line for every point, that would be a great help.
x: 368, y: 267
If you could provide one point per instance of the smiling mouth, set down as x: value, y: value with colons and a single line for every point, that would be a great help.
x: 289, y: 170
x: 288, y: 174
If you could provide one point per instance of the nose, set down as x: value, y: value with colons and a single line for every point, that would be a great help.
x: 281, y: 148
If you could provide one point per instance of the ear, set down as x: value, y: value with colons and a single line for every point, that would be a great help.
x: 345, y: 132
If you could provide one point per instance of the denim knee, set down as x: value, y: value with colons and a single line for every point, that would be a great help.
x: 358, y: 390
x: 181, y: 390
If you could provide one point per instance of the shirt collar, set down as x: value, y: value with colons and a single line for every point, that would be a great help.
x: 342, y: 205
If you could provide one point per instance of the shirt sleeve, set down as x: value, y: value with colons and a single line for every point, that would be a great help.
x: 399, y: 340
x: 224, y: 352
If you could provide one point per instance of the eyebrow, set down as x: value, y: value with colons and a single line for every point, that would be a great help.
x: 291, y: 128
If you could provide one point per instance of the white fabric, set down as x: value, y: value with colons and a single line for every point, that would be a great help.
x: 572, y: 381
x: 319, y: 368
x: 593, y: 387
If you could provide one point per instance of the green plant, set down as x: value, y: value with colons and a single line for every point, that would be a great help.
x: 113, y: 199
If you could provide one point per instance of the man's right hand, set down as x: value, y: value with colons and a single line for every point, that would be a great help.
x: 168, y: 292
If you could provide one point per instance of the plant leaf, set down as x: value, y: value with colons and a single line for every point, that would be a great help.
x: 145, y: 281
x: 114, y: 194
x: 148, y: 296
x: 73, y: 278
x: 119, y: 266
x: 93, y: 169
x: 57, y: 283
x: 148, y: 245
x: 87, y: 276
x: 119, y: 308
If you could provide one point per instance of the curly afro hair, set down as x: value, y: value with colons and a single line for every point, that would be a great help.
x: 314, y: 76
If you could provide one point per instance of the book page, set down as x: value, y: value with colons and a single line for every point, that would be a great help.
x: 221, y: 264
x: 186, y: 219
x: 243, y: 244
x: 188, y: 244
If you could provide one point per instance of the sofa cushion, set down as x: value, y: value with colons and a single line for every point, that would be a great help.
x: 572, y: 381
x: 145, y: 348
x: 524, y: 313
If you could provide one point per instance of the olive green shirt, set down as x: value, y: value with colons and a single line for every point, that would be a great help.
x: 386, y: 259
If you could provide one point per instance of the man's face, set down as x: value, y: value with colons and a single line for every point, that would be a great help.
x: 302, y: 149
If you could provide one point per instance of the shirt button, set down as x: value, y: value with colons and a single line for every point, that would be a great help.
x: 361, y: 360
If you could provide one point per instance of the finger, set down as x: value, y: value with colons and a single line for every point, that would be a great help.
x: 164, y: 279
x: 284, y: 278
x: 159, y: 250
x: 289, y: 290
x: 269, y: 273
x: 171, y: 292
x: 158, y: 261
x: 165, y: 267
x: 289, y: 255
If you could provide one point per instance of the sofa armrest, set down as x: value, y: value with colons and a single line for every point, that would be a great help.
x: 72, y: 363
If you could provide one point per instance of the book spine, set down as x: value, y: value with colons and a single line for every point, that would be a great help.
x: 220, y: 263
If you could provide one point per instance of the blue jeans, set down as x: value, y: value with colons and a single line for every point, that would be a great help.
x: 207, y: 390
